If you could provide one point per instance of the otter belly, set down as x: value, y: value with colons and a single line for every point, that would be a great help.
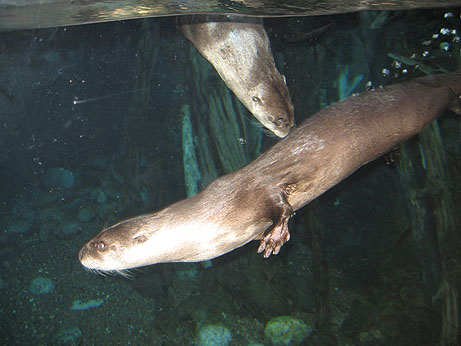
x: 239, y: 50
x: 257, y: 201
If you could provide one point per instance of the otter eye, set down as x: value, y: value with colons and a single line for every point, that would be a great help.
x: 256, y: 99
x: 101, y: 246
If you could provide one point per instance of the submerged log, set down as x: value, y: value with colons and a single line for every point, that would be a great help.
x: 426, y: 185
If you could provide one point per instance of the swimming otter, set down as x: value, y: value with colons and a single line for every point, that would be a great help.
x: 258, y: 200
x: 239, y: 50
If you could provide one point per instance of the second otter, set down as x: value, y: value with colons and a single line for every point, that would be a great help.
x: 239, y: 50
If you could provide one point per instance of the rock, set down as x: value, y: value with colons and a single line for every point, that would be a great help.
x: 78, y: 305
x: 89, y: 180
x: 187, y: 271
x: 55, y: 213
x: 117, y: 176
x: 286, y: 330
x: 41, y: 286
x: 101, y: 198
x: 98, y: 162
x: 68, y: 230
x: 109, y: 212
x: 76, y: 204
x: 21, y: 218
x: 212, y: 335
x: 371, y: 337
x: 18, y: 226
x: 67, y: 336
x: 112, y: 190
x: 86, y: 214
x: 21, y: 211
x: 47, y: 198
x: 59, y: 178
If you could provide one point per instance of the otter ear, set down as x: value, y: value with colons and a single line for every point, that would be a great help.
x: 144, y: 232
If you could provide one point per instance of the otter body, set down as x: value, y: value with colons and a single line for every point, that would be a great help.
x: 239, y: 50
x: 257, y: 201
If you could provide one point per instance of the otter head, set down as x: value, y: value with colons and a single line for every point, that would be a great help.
x: 168, y: 236
x: 116, y: 248
x: 271, y: 104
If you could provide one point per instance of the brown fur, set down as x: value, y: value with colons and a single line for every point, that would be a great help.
x: 258, y: 200
x: 239, y: 50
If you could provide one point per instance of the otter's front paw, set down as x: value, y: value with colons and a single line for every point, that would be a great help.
x: 273, y: 241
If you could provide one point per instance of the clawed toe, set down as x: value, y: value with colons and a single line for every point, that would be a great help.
x: 273, y: 242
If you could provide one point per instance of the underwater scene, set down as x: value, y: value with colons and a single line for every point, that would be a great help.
x: 107, y: 122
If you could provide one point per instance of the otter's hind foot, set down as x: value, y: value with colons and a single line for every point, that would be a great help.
x: 273, y: 241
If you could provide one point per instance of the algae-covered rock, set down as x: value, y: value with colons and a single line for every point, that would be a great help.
x: 86, y: 214
x: 67, y: 336
x: 98, y: 162
x: 286, y: 330
x: 212, y: 335
x: 68, y: 230
x: 187, y: 271
x: 41, y: 286
x: 18, y: 226
x: 59, y: 178
x: 78, y: 305
x: 101, y: 198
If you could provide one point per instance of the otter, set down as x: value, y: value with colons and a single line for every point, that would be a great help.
x: 257, y: 201
x: 239, y: 50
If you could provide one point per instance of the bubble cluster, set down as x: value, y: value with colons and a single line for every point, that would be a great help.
x: 440, y: 45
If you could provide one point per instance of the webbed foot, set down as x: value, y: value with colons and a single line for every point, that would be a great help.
x: 273, y: 241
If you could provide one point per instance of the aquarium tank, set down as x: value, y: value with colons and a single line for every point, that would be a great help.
x: 108, y: 112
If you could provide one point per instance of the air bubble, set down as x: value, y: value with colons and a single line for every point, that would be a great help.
x: 445, y: 31
x: 445, y: 46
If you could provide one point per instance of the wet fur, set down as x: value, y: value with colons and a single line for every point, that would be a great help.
x: 239, y: 50
x: 257, y: 201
